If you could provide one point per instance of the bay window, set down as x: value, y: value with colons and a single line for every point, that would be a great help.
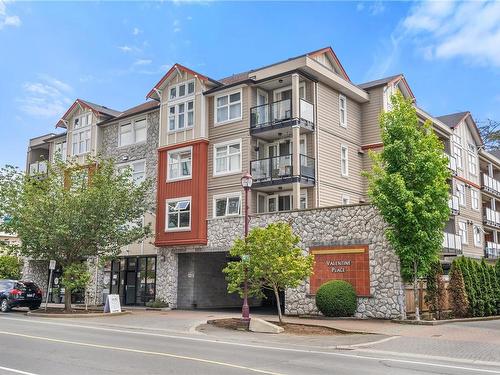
x: 178, y: 214
x: 179, y: 164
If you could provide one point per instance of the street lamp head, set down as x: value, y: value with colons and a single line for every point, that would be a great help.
x: 246, y: 181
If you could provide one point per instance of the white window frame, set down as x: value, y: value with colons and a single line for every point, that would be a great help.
x: 80, y: 118
x: 477, y: 241
x: 178, y: 229
x: 463, y: 232
x: 344, y: 99
x: 177, y: 86
x: 133, y: 130
x: 227, y: 197
x: 63, y: 150
x: 229, y: 120
x: 346, y: 199
x: 177, y: 113
x: 214, y: 158
x: 76, y: 135
x: 474, y: 198
x: 461, y: 194
x: 344, y: 173
x: 457, y: 152
x: 472, y: 160
x: 303, y: 194
x: 175, y: 151
x: 130, y: 164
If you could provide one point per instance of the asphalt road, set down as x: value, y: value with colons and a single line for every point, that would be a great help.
x: 55, y: 346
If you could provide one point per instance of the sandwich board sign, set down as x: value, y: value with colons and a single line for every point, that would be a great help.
x: 112, y: 304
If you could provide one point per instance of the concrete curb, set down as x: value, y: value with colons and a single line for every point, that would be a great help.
x: 64, y: 316
x: 441, y: 322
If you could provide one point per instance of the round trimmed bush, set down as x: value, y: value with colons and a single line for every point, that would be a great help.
x: 336, y: 298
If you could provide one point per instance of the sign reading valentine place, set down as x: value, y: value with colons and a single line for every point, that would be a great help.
x: 348, y: 263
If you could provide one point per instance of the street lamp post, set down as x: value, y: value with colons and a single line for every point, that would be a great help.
x: 246, y: 183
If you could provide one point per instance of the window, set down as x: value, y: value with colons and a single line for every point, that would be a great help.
x: 279, y: 202
x: 82, y: 121
x: 60, y: 151
x: 178, y: 214
x: 457, y: 151
x: 344, y: 161
x: 181, y: 116
x: 461, y: 194
x: 229, y: 205
x: 81, y: 142
x: 343, y: 110
x: 133, y: 132
x: 345, y: 200
x: 179, y: 164
x: 474, y: 195
x: 138, y: 170
x: 227, y: 158
x: 472, y: 160
x: 181, y: 90
x: 228, y: 107
x: 477, y: 236
x: 462, y: 231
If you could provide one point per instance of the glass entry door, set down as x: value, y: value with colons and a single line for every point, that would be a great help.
x: 134, y: 279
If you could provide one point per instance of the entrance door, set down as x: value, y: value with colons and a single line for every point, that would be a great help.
x: 263, y: 110
x: 130, y: 281
x: 272, y: 203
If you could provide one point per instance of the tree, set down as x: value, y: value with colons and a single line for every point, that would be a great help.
x: 75, y: 277
x: 459, y: 302
x: 409, y: 186
x: 273, y: 262
x: 490, y: 132
x: 74, y: 212
x: 10, y: 267
x: 436, y: 290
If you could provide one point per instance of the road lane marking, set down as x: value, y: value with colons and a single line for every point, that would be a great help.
x: 130, y: 350
x: 267, y: 347
x: 370, y: 343
x: 17, y: 371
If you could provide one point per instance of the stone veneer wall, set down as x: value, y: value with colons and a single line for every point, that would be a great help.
x: 36, y: 271
x: 347, y: 225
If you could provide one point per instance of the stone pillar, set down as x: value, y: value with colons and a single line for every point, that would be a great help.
x: 296, y: 139
x: 166, y: 276
x: 93, y: 292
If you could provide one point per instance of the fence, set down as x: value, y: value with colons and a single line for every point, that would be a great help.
x: 410, y: 303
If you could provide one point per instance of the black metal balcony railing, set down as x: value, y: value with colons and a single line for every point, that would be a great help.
x: 279, y: 169
x: 280, y: 113
x: 452, y: 243
x: 492, y: 250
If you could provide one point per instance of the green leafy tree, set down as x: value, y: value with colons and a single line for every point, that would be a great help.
x: 272, y: 259
x: 457, y: 294
x: 436, y: 291
x: 10, y: 267
x: 75, y: 277
x: 409, y: 186
x: 74, y: 212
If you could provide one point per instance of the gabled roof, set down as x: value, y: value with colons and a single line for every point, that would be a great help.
x: 453, y: 119
x: 99, y: 110
x: 171, y: 71
x: 495, y: 153
x: 141, y: 108
x: 379, y: 82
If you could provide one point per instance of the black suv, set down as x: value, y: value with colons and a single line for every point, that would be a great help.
x: 19, y: 294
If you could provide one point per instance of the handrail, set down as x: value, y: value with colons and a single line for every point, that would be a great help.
x: 452, y: 241
x: 281, y: 167
x: 279, y: 111
x: 491, y: 183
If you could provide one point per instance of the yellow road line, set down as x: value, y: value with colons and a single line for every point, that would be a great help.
x: 170, y: 355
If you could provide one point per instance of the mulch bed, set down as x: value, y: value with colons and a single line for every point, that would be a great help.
x: 290, y: 328
x: 54, y: 310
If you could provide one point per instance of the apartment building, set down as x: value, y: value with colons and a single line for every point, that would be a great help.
x: 302, y: 129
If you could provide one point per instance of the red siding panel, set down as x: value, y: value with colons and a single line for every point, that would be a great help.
x: 196, y: 187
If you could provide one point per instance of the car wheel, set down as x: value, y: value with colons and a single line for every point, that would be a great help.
x: 34, y: 307
x: 4, y: 306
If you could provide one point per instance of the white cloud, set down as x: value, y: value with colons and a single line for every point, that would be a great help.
x: 6, y: 19
x: 136, y: 31
x: 45, y: 98
x: 143, y: 62
x: 176, y: 26
x: 374, y: 7
x: 125, y: 48
x: 468, y: 30
x: 360, y: 7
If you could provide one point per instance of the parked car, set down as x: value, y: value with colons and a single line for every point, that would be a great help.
x: 14, y: 293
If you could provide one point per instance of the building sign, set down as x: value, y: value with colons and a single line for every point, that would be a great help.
x: 112, y: 304
x: 349, y: 263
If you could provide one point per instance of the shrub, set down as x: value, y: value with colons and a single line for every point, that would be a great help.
x: 336, y: 298
x: 10, y: 267
x: 157, y: 304
x: 435, y: 296
x: 457, y: 295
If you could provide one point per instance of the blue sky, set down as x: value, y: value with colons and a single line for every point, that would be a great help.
x: 112, y: 53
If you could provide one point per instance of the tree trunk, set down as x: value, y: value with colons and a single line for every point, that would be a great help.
x: 278, y: 302
x: 67, y: 300
x: 415, y: 292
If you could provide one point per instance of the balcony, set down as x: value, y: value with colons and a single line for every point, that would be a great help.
x: 452, y: 164
x: 278, y: 170
x: 267, y: 120
x: 490, y: 185
x: 37, y: 168
x: 491, y: 217
x: 454, y: 205
x: 452, y: 244
x: 492, y: 250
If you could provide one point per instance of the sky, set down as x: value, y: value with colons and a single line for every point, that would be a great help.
x: 112, y: 53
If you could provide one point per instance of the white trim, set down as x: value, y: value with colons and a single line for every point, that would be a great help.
x: 130, y: 165
x: 477, y: 244
x: 214, y: 158
x: 227, y: 196
x: 178, y: 229
x: 176, y: 115
x: 177, y: 150
x: 132, y: 122
x: 203, y: 111
x: 466, y: 242
x: 287, y: 88
x: 460, y: 195
x: 342, y: 147
x: 229, y: 120
x: 343, y: 124
x: 185, y: 96
x: 473, y: 190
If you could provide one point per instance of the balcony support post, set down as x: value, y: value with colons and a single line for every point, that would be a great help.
x: 296, y: 139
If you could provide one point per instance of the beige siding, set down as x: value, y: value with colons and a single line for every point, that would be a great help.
x: 331, y: 184
x: 93, y: 135
x: 370, y: 116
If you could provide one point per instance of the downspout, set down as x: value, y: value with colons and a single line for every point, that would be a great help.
x: 317, y: 144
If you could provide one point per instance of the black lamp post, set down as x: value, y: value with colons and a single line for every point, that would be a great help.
x: 246, y: 183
